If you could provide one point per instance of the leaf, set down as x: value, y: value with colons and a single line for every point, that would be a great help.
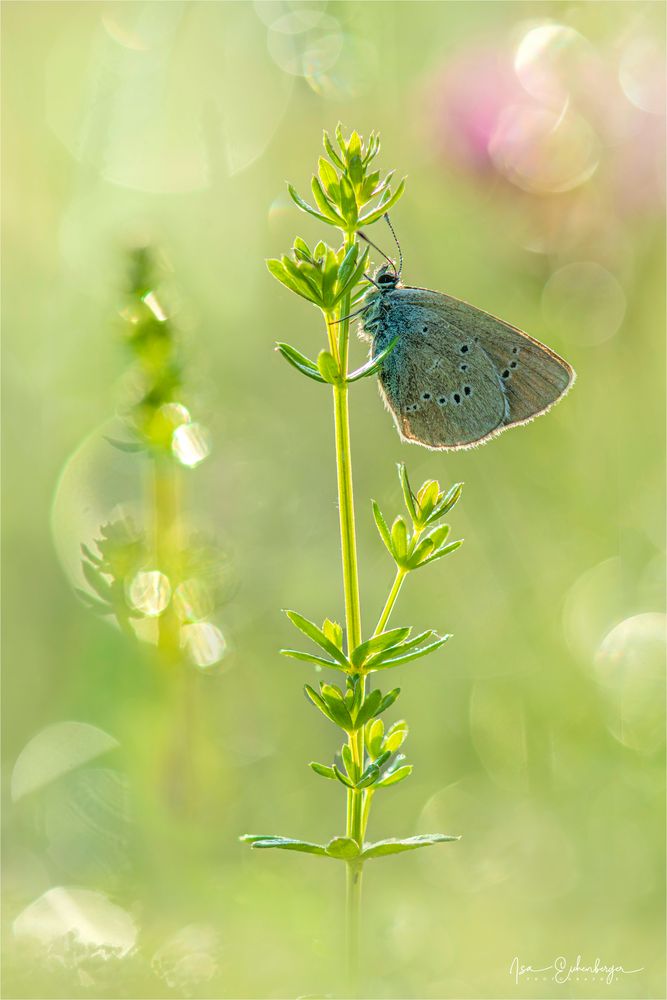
x: 384, y: 206
x: 452, y: 547
x: 394, y: 846
x: 318, y: 701
x: 374, y: 736
x: 306, y: 278
x: 368, y: 709
x: 305, y: 207
x: 323, y: 203
x: 333, y: 631
x: 399, y: 540
x: 342, y: 848
x: 451, y: 497
x: 348, y: 203
x: 421, y: 553
x: 407, y: 491
x: 279, y: 271
x: 381, y: 525
x: 129, y: 446
x: 329, y: 177
x: 396, y: 736
x: 388, y: 700
x: 372, y: 366
x: 331, y: 152
x: 394, y: 777
x: 328, y: 368
x: 283, y: 844
x: 347, y: 266
x: 299, y: 361
x: 333, y: 699
x: 342, y: 777
x: 296, y: 654
x: 348, y: 761
x: 101, y: 587
x: 413, y: 655
x: 356, y: 277
x: 403, y: 648
x: 93, y: 604
x: 317, y: 635
x: 370, y: 776
x: 378, y: 643
x: 323, y: 769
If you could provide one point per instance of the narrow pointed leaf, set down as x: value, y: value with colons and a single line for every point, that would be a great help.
x: 323, y: 770
x: 323, y: 203
x: 279, y: 271
x: 452, y: 547
x: 383, y: 207
x: 398, y: 775
x: 317, y: 635
x: 382, y: 527
x: 451, y: 497
x: 378, y: 643
x: 321, y: 661
x: 300, y: 362
x: 373, y: 365
x: 388, y: 700
x: 305, y: 207
x: 368, y: 709
x: 342, y: 777
x: 415, y: 654
x: 331, y: 152
x: 407, y: 492
x: 284, y: 844
x: 394, y: 846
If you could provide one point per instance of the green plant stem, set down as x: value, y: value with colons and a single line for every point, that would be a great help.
x: 166, y: 528
x: 401, y: 574
x: 355, y: 797
x: 353, y: 923
x: 391, y: 600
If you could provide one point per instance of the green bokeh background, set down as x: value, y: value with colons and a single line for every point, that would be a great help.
x: 543, y: 750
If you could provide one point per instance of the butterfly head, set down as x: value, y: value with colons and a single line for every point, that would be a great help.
x: 386, y: 278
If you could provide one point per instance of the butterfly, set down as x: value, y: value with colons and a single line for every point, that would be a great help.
x: 456, y: 376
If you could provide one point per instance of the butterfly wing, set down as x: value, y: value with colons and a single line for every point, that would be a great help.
x: 439, y: 396
x: 458, y: 375
x: 534, y: 377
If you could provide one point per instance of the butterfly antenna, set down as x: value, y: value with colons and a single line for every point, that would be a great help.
x: 370, y: 243
x: 398, y: 245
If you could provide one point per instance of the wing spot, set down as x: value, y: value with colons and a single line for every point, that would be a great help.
x: 515, y: 350
x: 464, y: 348
x: 467, y: 391
x: 514, y: 364
x: 506, y: 373
x: 424, y: 329
x: 426, y: 395
x: 463, y: 368
x: 456, y: 398
x: 442, y: 400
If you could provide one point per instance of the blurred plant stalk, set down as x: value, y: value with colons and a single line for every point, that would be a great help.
x: 153, y: 578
